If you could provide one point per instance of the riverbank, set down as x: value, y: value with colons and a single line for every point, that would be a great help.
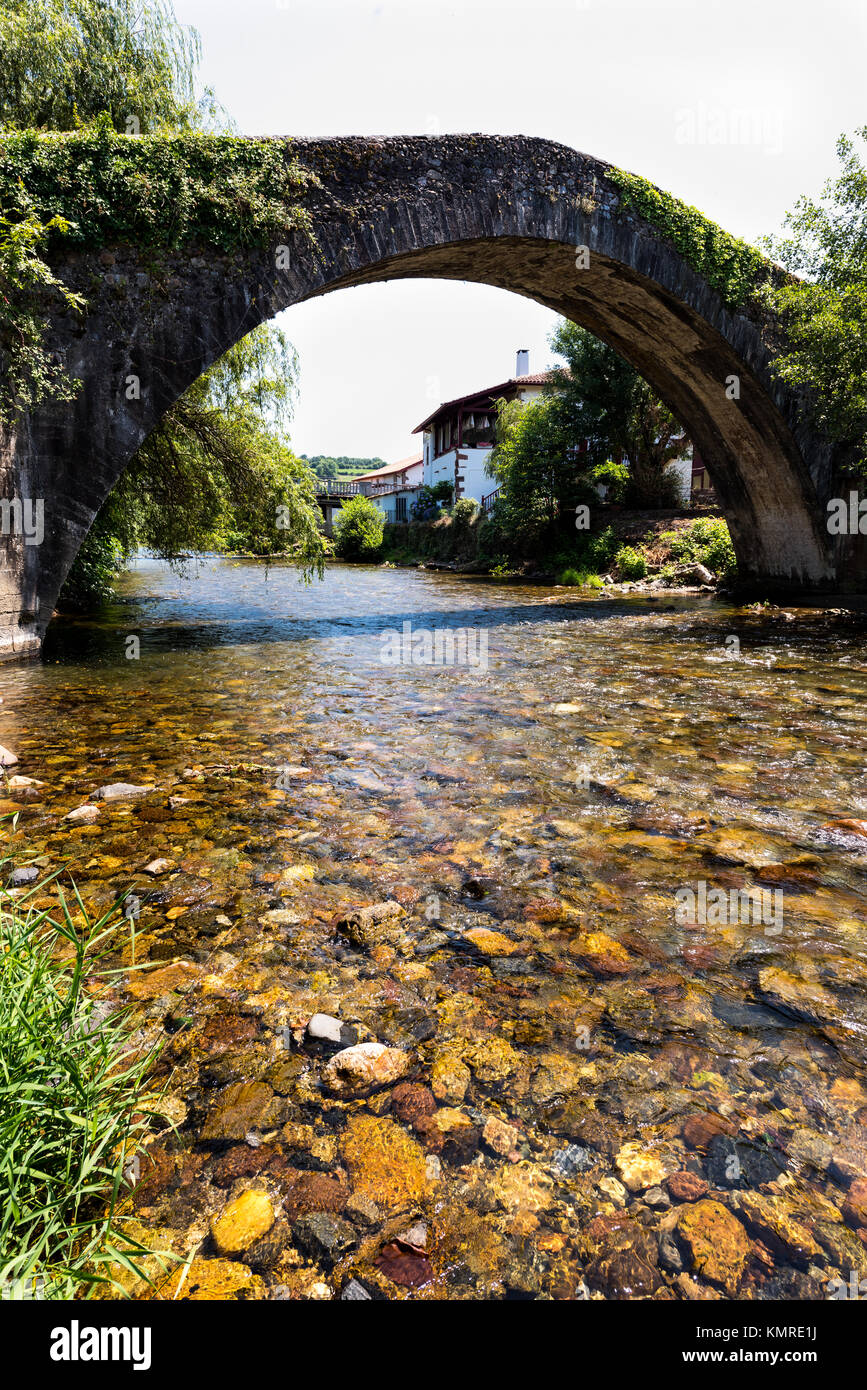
x: 663, y: 549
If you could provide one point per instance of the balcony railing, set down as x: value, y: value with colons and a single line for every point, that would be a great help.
x: 331, y: 487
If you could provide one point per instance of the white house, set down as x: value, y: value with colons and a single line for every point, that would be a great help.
x: 393, y: 488
x: 458, y: 437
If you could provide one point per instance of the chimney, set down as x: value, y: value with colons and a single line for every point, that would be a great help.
x: 522, y: 366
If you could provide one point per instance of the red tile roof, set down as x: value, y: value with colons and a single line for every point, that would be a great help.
x: 398, y: 467
x: 493, y: 393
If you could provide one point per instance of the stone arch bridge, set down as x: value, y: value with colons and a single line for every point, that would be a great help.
x: 508, y: 212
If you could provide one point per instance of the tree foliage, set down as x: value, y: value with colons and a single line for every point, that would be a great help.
x: 536, y: 462
x: 549, y: 454
x: 602, y: 399
x: 358, y: 529
x: 66, y: 62
x: 28, y: 375
x: 216, y: 474
x: 825, y: 316
x: 341, y: 465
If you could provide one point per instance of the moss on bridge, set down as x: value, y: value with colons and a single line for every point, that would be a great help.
x: 162, y: 191
x: 732, y: 267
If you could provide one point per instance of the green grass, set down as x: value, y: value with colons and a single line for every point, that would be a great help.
x: 579, y: 579
x: 74, y: 1104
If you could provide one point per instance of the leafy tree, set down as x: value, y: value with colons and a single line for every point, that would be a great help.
x: 65, y: 62
x: 600, y: 398
x: 549, y: 454
x: 342, y: 466
x: 826, y: 316
x: 535, y: 460
x: 358, y: 529
x: 325, y: 468
x: 215, y: 474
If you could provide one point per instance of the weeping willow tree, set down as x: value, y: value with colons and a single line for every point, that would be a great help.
x: 66, y: 62
x: 218, y: 472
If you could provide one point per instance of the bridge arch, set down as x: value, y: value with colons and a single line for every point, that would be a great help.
x: 508, y: 212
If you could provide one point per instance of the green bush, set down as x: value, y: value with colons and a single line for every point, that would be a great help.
x: 430, y: 501
x: 595, y: 552
x: 358, y: 530
x: 706, y: 541
x: 91, y: 581
x: 465, y: 511
x: 631, y: 564
x: 614, y: 477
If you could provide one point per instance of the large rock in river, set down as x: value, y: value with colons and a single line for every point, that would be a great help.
x: 364, y: 1067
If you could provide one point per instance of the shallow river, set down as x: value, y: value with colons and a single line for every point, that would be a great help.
x: 621, y: 965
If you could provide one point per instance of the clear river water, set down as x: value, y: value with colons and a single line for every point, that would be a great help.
x: 597, y: 883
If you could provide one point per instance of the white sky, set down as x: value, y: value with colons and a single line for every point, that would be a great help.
x: 652, y: 85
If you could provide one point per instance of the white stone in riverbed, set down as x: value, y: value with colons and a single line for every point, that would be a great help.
x: 157, y: 867
x: 614, y: 1190
x: 16, y: 782
x: 7, y: 757
x: 83, y: 815
x: 324, y: 1027
x: 364, y: 1066
x: 280, y: 917
x: 119, y: 791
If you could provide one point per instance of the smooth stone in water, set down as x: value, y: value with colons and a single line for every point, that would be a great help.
x: 157, y: 867
x: 354, y: 1292
x: 568, y: 1162
x: 638, y: 1167
x: 364, y: 1066
x: 120, y: 791
x: 325, y: 1028
x: 83, y: 815
x: 324, y: 1236
x: 242, y: 1222
x: 21, y: 877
